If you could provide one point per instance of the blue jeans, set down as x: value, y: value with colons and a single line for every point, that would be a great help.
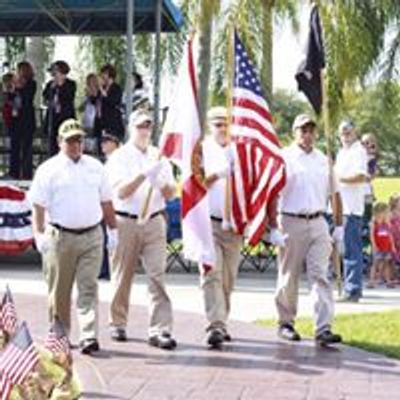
x: 353, y: 257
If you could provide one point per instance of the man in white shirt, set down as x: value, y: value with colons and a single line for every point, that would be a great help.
x: 351, y: 171
x: 218, y: 284
x: 141, y: 182
x: 71, y: 190
x: 302, y: 205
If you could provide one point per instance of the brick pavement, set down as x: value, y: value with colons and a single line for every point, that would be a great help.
x: 255, y: 366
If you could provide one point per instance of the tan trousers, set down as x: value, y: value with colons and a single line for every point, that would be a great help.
x: 218, y: 284
x: 74, y: 256
x: 147, y: 242
x: 308, y: 244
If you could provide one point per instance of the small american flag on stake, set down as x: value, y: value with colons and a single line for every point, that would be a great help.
x: 57, y: 340
x: 259, y: 173
x: 17, y: 360
x: 8, y: 313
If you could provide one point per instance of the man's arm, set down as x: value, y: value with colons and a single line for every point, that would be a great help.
x: 38, y: 219
x: 109, y: 214
x: 128, y: 187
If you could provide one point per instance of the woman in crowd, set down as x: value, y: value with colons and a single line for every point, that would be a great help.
x: 59, y: 95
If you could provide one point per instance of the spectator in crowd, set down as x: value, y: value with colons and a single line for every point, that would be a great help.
x: 394, y: 204
x: 109, y: 143
x: 382, y: 247
x: 108, y: 103
x: 72, y: 190
x: 23, y: 122
x: 8, y: 81
x: 59, y: 96
x: 134, y: 170
x: 351, y: 171
x: 89, y: 107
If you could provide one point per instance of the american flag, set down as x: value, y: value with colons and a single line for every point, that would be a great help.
x: 18, y: 359
x: 8, y: 313
x: 259, y: 172
x: 57, y: 340
x: 5, y: 387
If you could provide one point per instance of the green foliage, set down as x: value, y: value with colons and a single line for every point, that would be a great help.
x: 15, y: 50
x: 376, y: 332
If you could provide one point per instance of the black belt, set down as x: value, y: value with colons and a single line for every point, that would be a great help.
x: 216, y: 219
x: 134, y: 216
x: 304, y: 216
x: 74, y: 231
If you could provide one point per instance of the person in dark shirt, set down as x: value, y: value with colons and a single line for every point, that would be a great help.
x: 23, y: 122
x: 109, y: 109
x: 59, y: 95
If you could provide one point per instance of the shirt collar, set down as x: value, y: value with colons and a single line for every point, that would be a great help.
x: 68, y: 161
x: 299, y: 152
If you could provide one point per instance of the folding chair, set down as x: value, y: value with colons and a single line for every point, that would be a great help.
x: 174, y: 236
x: 260, y: 257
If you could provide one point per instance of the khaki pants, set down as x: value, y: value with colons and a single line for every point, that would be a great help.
x: 308, y: 244
x: 148, y: 242
x: 74, y: 256
x: 218, y: 284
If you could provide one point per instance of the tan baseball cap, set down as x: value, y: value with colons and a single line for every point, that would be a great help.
x: 301, y: 120
x: 70, y: 128
x: 217, y: 113
x: 139, y: 117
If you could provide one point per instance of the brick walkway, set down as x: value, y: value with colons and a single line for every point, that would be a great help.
x: 255, y: 366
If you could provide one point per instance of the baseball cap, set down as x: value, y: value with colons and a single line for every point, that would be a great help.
x: 69, y: 128
x: 346, y: 125
x: 301, y: 120
x: 140, y: 116
x: 217, y: 113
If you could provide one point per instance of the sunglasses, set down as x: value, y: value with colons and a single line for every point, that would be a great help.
x: 145, y: 125
x: 75, y: 139
x: 220, y: 125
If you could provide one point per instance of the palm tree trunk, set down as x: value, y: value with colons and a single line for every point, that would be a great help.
x: 204, y: 61
x: 266, y: 62
x: 36, y: 53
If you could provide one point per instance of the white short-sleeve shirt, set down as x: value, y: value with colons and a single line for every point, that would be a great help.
x: 352, y: 161
x: 126, y: 163
x: 307, y: 186
x: 216, y: 158
x: 71, y: 192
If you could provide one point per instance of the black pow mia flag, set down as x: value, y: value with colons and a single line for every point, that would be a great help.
x: 308, y: 75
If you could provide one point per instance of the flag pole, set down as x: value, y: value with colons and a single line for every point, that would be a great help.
x: 329, y: 151
x: 226, y: 223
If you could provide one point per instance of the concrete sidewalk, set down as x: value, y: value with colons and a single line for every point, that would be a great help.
x: 256, y: 365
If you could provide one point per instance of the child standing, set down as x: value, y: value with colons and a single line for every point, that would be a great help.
x: 394, y: 203
x: 382, y: 246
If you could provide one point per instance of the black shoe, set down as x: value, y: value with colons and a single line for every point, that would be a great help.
x: 215, y: 338
x: 227, y: 336
x: 89, y: 346
x: 119, y: 334
x: 287, y: 332
x: 349, y: 299
x: 164, y: 341
x: 327, y: 337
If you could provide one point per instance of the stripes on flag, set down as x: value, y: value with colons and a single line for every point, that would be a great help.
x: 15, y: 220
x: 57, y: 340
x: 8, y: 313
x: 19, y: 357
x: 5, y: 387
x: 259, y: 172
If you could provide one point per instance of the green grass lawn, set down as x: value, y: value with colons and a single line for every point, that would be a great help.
x: 376, y: 332
x: 385, y: 187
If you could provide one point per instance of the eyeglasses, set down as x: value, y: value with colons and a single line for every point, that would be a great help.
x: 307, y: 128
x: 74, y: 139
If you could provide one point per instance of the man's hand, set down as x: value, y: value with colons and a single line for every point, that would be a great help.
x: 42, y: 243
x: 112, y: 239
x: 277, y: 238
x: 151, y: 172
